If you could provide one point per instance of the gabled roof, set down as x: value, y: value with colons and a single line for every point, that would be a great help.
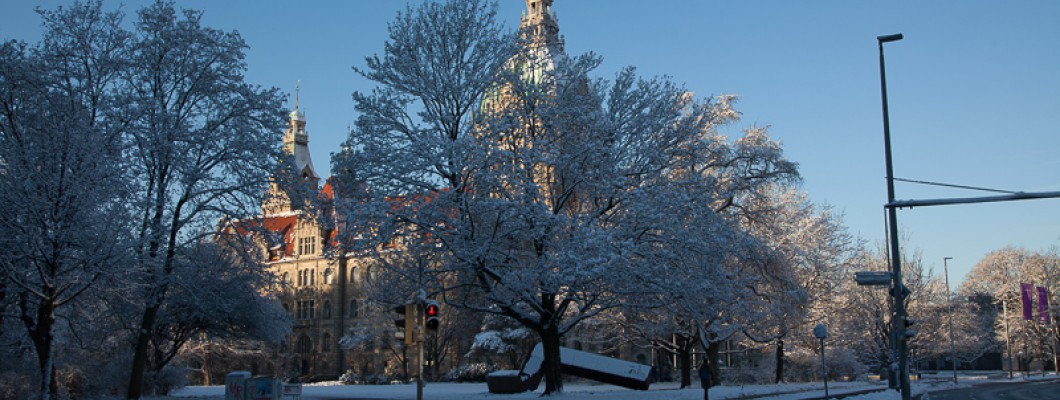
x: 277, y: 230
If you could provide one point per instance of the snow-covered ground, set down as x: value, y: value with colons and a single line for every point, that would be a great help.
x: 586, y: 391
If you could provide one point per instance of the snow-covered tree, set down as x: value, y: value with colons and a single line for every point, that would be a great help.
x: 523, y: 188
x: 995, y: 283
x: 219, y: 293
x: 860, y: 318
x: 116, y: 140
x: 61, y: 176
x: 203, y: 141
x: 812, y: 241
x: 372, y: 337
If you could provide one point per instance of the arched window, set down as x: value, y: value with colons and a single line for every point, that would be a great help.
x: 325, y: 344
x: 306, y: 277
x: 353, y: 308
x: 286, y: 279
x: 353, y: 275
x: 327, y: 310
x: 328, y: 276
x: 304, y: 345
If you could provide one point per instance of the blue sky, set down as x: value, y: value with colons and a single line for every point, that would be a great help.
x: 972, y: 91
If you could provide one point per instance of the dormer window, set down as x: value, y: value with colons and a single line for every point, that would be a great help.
x: 274, y: 241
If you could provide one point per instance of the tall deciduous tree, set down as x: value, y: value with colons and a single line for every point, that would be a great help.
x: 817, y: 252
x: 204, y: 142
x: 523, y: 188
x: 115, y: 140
x: 61, y: 176
x: 995, y: 280
x: 220, y: 293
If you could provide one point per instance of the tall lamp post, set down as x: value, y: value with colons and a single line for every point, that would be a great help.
x: 898, y: 289
x: 949, y: 304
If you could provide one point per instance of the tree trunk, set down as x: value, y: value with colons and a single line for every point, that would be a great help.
x: 157, y: 294
x: 713, y: 352
x: 39, y: 326
x: 684, y: 357
x: 44, y: 359
x: 206, y: 367
x: 780, y: 361
x: 551, y: 366
x: 143, y: 339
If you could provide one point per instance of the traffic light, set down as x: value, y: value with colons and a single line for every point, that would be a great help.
x: 905, y: 292
x: 406, y: 323
x: 431, y: 314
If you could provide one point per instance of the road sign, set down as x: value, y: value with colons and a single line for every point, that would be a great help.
x: 872, y: 278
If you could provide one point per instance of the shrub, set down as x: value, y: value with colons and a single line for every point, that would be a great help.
x: 471, y: 372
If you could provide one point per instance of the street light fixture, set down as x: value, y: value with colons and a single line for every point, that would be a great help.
x: 889, y: 38
x: 949, y: 306
x: 896, y: 262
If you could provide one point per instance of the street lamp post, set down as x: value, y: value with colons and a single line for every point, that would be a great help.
x: 900, y: 316
x: 949, y: 304
x: 1008, y: 343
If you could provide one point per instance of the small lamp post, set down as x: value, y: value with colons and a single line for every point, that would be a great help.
x: 949, y: 304
x: 821, y: 332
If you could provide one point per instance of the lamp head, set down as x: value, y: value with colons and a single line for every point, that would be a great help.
x: 889, y: 38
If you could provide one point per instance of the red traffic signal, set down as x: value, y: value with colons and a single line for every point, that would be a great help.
x: 431, y: 314
x: 406, y: 314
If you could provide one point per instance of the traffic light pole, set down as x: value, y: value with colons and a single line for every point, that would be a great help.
x: 419, y: 360
x: 420, y: 298
x: 900, y: 316
x: 415, y: 319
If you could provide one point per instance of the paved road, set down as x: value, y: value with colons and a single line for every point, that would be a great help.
x: 1003, y: 391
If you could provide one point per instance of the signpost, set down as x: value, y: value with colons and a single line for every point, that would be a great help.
x: 872, y: 278
x: 821, y: 332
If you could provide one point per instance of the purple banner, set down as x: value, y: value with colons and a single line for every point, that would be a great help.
x: 1043, y: 304
x: 1027, y: 295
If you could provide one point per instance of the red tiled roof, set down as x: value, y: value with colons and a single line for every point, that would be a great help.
x: 327, y: 192
x: 279, y: 230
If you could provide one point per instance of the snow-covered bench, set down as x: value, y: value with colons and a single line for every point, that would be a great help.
x: 572, y: 362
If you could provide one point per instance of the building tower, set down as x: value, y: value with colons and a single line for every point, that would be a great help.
x: 296, y: 142
x: 540, y: 26
x: 295, y: 146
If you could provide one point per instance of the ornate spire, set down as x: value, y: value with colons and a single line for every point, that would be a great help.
x: 540, y: 25
x: 297, y: 115
x: 296, y: 139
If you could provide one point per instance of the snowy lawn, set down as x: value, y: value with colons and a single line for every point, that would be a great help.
x: 469, y: 391
x: 580, y: 391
